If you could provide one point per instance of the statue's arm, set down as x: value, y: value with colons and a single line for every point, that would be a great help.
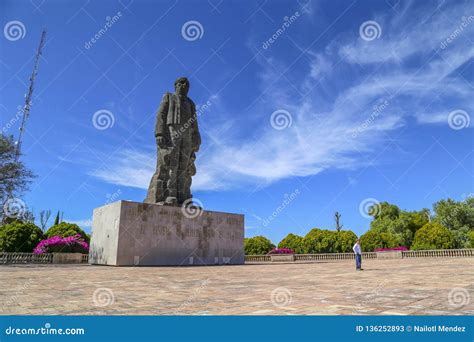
x: 161, y: 116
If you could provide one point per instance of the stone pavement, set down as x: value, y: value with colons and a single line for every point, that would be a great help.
x: 386, y: 287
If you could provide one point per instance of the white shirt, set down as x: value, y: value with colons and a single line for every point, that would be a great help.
x: 357, y: 249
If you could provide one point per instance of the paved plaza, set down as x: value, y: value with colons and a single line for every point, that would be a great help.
x: 386, y: 287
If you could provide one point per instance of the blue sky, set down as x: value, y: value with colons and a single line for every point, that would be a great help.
x: 306, y: 107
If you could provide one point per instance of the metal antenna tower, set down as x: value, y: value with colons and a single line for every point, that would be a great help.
x: 29, y: 95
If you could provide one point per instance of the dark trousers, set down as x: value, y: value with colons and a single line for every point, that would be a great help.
x: 358, y: 261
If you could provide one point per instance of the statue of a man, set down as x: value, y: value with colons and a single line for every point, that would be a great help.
x: 178, y: 140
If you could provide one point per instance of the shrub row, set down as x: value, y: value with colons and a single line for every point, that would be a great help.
x: 431, y: 236
x: 316, y: 241
x: 20, y: 236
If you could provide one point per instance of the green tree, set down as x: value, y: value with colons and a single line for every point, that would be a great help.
x: 65, y: 229
x: 257, y: 245
x: 14, y: 176
x: 374, y: 239
x: 388, y: 218
x: 19, y: 237
x: 344, y: 241
x: 433, y: 236
x: 384, y: 210
x: 471, y: 239
x: 56, y: 220
x: 458, y: 217
x: 319, y: 241
x: 292, y: 241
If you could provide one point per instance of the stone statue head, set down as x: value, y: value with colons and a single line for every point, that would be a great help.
x: 181, y: 86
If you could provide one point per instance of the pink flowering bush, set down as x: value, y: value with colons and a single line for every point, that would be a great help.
x: 70, y: 244
x: 401, y: 248
x: 281, y: 251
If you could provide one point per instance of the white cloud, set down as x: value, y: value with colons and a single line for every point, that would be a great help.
x: 422, y: 32
x: 432, y: 118
x: 320, y: 66
x: 130, y: 168
x: 333, y: 129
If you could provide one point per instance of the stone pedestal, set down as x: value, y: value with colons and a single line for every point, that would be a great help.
x: 130, y: 234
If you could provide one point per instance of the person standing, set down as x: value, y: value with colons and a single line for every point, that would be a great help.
x: 358, y: 255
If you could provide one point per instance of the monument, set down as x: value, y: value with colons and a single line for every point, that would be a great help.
x: 168, y: 228
x: 178, y: 140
